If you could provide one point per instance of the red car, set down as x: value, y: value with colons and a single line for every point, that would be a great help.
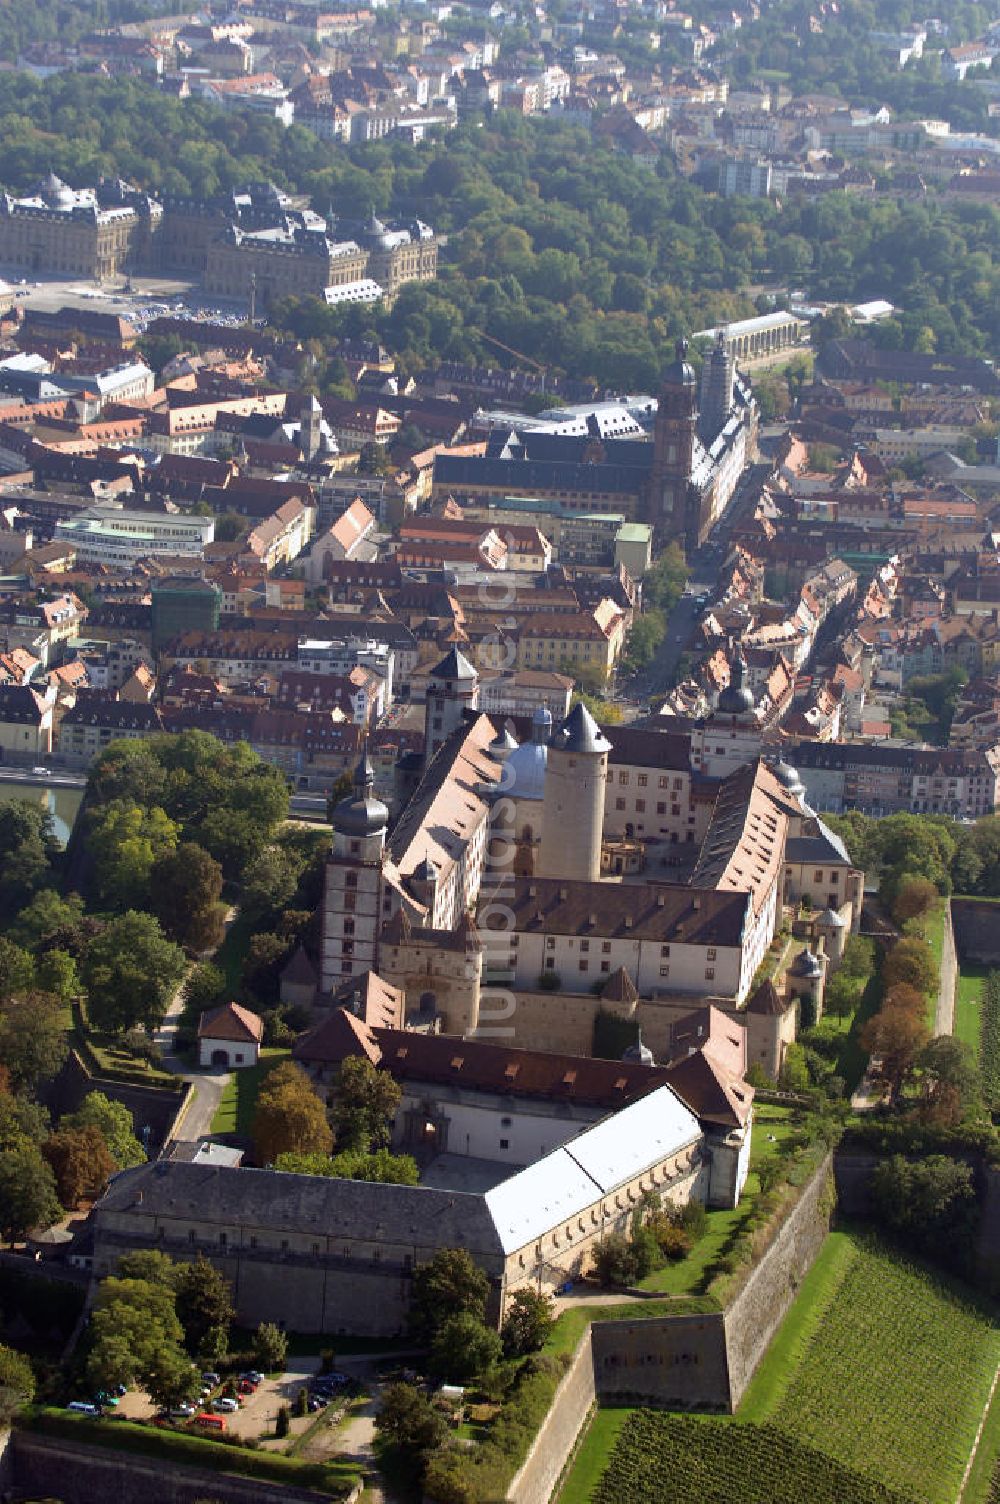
x: 247, y: 1387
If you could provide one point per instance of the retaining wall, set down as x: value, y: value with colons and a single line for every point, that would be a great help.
x: 44, y: 1467
x: 754, y: 1315
x: 573, y: 1402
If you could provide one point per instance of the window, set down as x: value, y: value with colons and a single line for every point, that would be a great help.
x: 640, y: 806
x: 351, y: 880
x: 711, y: 952
x: 584, y: 965
x: 584, y: 945
x: 505, y: 1143
x: 642, y: 780
x: 348, y: 926
x: 355, y: 847
x: 664, y: 950
x: 664, y: 971
x: 818, y: 876
x: 605, y: 965
x: 709, y: 973
x: 550, y: 943
x: 606, y: 947
x: 550, y: 963
x: 619, y: 804
x: 661, y: 808
x: 506, y: 1122
x: 663, y: 783
x: 623, y: 778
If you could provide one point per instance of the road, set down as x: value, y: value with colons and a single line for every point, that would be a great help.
x: 660, y: 675
x: 208, y: 1085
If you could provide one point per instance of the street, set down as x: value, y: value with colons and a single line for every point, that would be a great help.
x: 660, y: 674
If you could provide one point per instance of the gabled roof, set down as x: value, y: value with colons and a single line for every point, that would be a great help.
x: 336, y: 1038
x: 711, y: 1091
x: 231, y: 1022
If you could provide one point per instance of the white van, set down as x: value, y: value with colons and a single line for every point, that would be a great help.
x: 83, y: 1407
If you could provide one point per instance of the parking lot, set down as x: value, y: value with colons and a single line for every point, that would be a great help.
x: 149, y: 298
x: 258, y: 1412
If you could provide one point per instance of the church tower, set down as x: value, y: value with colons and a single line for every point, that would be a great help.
x: 576, y: 773
x: 673, y: 448
x: 353, y: 888
x: 717, y: 377
x: 452, y: 689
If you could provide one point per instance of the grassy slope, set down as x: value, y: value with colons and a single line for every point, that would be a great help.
x: 592, y: 1456
x: 234, y: 1113
x: 967, y: 994
x: 881, y: 1365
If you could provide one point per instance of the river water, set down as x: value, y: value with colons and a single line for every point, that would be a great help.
x: 62, y: 804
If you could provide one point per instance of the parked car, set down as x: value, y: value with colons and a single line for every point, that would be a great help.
x: 83, y: 1407
x: 211, y: 1378
x: 181, y: 1412
x: 225, y: 1407
x: 253, y: 1376
x: 209, y: 1422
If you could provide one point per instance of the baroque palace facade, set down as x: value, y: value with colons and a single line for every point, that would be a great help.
x: 254, y: 242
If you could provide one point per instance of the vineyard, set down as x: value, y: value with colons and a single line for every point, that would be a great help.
x: 687, y: 1461
x: 989, y: 1046
x: 878, y: 1383
x: 893, y: 1380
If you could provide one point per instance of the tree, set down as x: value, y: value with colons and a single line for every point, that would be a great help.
x: 663, y: 584
x: 463, y: 1347
x: 948, y: 1079
x: 28, y: 849
x: 115, y: 1123
x: 447, y: 1285
x: 283, y: 1424
x: 21, y: 1121
x: 911, y: 961
x: 33, y: 1043
x: 204, y: 1301
x: 56, y: 973
x: 131, y: 971
x: 28, y: 1195
x: 929, y: 1203
x: 204, y: 987
x: 80, y: 1162
x: 365, y: 1101
x: 409, y: 1422
x: 270, y: 1347
x: 612, y: 1262
x: 382, y: 1166
x: 17, y: 1383
x: 185, y: 887
x: 528, y: 1322
x: 148, y: 1264
x: 50, y: 921
x: 124, y: 841
x: 895, y: 1034
x: 914, y: 897
x: 170, y: 1377
x: 290, y: 1117
x: 17, y: 969
x: 136, y: 1337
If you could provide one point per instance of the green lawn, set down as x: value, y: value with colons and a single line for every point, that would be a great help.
x: 967, y: 995
x: 931, y: 928
x: 773, y: 1125
x: 232, y: 952
x: 592, y: 1456
x: 234, y: 1113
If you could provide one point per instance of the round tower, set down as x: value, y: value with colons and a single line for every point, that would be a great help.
x: 576, y: 773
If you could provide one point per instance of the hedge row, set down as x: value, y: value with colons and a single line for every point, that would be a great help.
x: 989, y: 1040
x: 197, y: 1451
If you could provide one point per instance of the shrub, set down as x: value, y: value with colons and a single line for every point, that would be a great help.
x: 673, y: 1241
x: 283, y: 1424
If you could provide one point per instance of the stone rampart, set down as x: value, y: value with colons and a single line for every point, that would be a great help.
x: 46, y: 1467
x: 574, y: 1399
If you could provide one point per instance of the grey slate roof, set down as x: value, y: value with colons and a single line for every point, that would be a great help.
x: 303, y: 1204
